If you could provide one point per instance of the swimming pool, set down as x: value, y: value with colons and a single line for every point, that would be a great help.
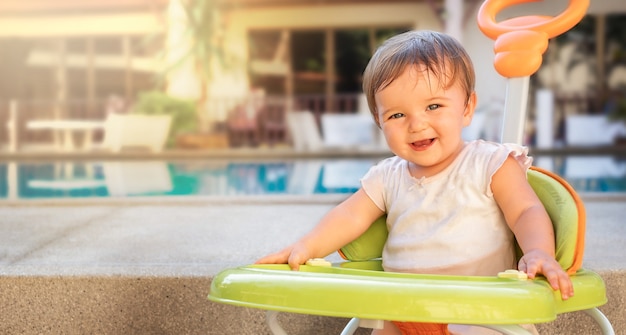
x: 134, y: 178
x: 243, y: 178
x: 605, y: 174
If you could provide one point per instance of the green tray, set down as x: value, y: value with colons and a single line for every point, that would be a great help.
x: 360, y: 289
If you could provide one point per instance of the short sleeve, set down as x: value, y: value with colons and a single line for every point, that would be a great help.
x: 502, y: 152
x: 520, y: 153
x: 373, y: 183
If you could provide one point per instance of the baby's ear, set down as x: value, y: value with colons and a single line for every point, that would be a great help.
x: 468, y: 113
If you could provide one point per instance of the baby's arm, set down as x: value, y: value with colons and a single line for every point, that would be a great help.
x: 337, y: 228
x: 531, y: 225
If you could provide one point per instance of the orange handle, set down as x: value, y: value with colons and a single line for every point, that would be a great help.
x: 521, y: 42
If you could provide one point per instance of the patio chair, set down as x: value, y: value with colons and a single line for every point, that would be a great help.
x: 304, y: 131
x: 348, y: 289
x: 243, y: 127
x: 272, y: 123
x: 338, y: 131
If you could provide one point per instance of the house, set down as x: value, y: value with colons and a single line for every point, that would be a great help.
x: 71, y: 50
x: 71, y: 55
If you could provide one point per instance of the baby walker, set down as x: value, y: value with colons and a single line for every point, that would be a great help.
x: 502, y: 302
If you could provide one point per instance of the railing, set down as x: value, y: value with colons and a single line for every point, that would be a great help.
x: 14, y: 116
x: 266, y: 126
x: 266, y: 123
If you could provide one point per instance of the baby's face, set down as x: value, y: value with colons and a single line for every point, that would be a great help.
x: 422, y: 120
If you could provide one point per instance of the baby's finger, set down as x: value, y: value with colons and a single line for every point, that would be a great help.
x: 295, y: 261
x: 275, y: 258
x: 530, y: 268
x: 567, y: 290
x: 565, y: 285
x: 553, y: 279
x: 295, y: 266
x: 559, y: 280
x: 270, y: 259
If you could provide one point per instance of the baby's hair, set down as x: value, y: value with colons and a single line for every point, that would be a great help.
x: 441, y: 55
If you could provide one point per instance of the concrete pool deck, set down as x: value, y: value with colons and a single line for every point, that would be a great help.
x: 145, y: 267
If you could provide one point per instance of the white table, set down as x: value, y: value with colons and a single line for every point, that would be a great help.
x: 65, y: 129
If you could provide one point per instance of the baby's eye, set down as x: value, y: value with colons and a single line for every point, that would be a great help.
x: 396, y: 116
x: 433, y: 107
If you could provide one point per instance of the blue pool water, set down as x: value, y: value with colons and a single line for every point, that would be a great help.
x: 29, y: 180
x: 587, y: 173
x: 91, y: 179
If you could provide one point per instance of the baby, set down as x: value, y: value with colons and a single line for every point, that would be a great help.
x: 453, y: 207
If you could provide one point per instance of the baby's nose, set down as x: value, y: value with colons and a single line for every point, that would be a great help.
x: 417, y: 123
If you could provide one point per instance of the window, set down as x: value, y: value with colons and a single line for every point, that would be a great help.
x: 305, y: 64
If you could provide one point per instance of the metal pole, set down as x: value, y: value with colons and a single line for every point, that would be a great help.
x: 272, y: 322
x: 515, y: 110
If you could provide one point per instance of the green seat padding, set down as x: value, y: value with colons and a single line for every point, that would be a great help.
x: 567, y: 215
x: 560, y: 202
x: 369, y: 245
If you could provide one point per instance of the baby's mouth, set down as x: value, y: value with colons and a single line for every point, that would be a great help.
x: 423, y: 144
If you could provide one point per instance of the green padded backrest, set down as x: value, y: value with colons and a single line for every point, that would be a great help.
x: 560, y: 200
x: 567, y: 212
x: 369, y: 245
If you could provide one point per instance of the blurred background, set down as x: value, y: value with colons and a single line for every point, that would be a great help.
x: 145, y: 143
x: 229, y: 72
x: 276, y: 78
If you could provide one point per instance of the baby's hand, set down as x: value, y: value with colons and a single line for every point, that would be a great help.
x: 294, y: 255
x: 537, y: 262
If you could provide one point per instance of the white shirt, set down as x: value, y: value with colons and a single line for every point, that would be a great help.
x: 448, y: 223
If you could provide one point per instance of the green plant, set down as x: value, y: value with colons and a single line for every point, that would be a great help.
x: 183, y: 111
x: 205, y: 50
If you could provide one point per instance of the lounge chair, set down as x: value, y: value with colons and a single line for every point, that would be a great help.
x: 336, y: 131
x: 136, y: 130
